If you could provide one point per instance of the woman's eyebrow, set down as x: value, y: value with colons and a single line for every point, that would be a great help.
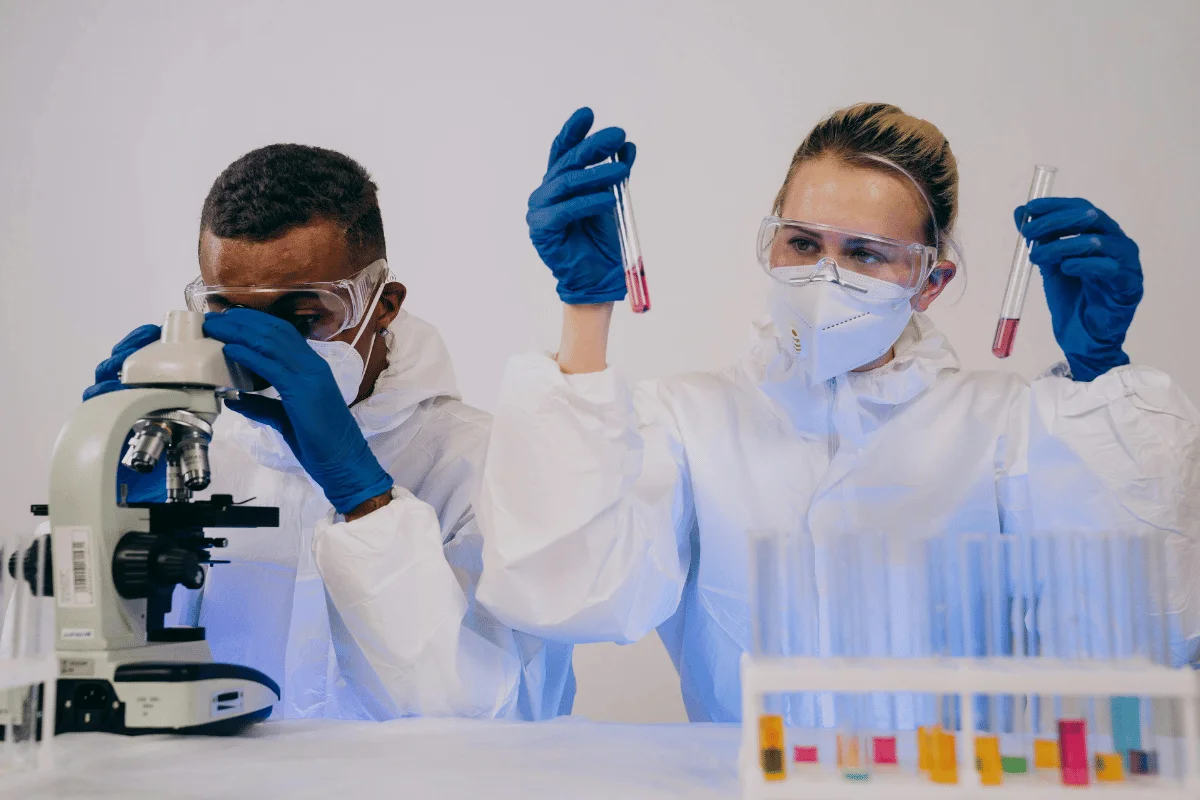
x: 861, y: 242
x: 809, y: 232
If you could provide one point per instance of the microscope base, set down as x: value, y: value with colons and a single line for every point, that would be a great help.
x: 165, y: 695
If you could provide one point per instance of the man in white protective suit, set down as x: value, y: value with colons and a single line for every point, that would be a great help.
x: 362, y: 603
x: 611, y: 510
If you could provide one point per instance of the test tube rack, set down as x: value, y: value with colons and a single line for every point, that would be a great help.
x: 28, y: 669
x: 964, y: 677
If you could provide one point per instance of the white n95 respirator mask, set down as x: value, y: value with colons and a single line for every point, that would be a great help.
x: 832, y: 328
x: 347, y: 365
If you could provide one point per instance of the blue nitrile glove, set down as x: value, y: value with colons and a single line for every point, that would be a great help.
x: 1093, y: 279
x: 108, y: 371
x: 572, y: 214
x: 310, y: 413
x: 142, y: 487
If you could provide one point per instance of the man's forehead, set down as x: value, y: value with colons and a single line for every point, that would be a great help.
x: 314, y: 252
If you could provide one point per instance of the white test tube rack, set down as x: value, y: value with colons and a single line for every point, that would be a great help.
x: 964, y: 677
x: 26, y: 660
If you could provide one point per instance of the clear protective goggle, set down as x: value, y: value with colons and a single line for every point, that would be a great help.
x: 871, y: 266
x: 319, y: 310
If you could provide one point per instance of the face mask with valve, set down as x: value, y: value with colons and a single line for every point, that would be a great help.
x: 115, y: 561
x: 839, y: 298
x: 834, y: 327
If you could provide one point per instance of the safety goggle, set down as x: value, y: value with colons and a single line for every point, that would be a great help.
x: 876, y: 267
x: 319, y: 310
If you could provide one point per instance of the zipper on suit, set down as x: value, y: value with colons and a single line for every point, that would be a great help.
x: 833, y: 434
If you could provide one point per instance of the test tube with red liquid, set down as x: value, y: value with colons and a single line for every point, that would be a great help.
x: 1018, y: 276
x: 631, y: 250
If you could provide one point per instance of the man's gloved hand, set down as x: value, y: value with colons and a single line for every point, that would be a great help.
x: 310, y: 414
x: 142, y: 487
x: 108, y: 371
x: 1093, y: 279
x: 572, y: 214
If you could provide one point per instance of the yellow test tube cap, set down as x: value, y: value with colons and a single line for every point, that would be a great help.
x: 945, y: 758
x: 987, y: 760
x: 925, y: 747
x: 770, y: 745
x: 1045, y: 754
x: 1109, y: 767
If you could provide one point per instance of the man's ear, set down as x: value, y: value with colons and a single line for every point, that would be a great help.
x: 389, y: 304
x: 939, y: 279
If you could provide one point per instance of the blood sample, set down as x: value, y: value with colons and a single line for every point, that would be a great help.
x: 1006, y: 335
x: 631, y: 250
x: 1018, y: 275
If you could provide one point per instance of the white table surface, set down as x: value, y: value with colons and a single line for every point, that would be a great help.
x: 418, y: 758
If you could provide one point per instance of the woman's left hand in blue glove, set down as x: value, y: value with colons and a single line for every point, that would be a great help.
x: 1092, y: 276
x: 310, y: 413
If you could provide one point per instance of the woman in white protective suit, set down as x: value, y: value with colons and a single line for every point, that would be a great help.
x: 610, y: 510
x: 361, y: 603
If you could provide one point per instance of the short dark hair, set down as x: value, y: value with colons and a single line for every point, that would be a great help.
x: 273, y: 189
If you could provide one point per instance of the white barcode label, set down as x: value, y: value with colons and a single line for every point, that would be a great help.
x: 73, y: 581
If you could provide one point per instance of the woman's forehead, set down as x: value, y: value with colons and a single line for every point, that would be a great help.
x: 876, y: 201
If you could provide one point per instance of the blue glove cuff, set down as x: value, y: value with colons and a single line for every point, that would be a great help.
x: 593, y: 294
x: 344, y: 504
x: 1085, y: 370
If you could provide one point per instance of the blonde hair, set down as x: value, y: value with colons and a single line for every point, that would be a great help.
x: 862, y: 134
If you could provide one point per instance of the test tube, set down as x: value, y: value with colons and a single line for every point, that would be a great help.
x: 850, y: 604
x: 771, y: 622
x: 631, y: 250
x: 1018, y: 276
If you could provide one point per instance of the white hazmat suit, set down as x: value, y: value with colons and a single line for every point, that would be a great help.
x: 609, y: 511
x: 374, y: 618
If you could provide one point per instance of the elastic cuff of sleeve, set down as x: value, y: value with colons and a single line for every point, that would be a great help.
x: 592, y: 296
x: 1085, y: 371
x: 345, y: 504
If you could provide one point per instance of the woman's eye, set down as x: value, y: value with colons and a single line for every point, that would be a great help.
x: 802, y: 244
x: 865, y: 256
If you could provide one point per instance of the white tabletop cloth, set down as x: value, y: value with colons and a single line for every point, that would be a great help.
x: 411, y: 758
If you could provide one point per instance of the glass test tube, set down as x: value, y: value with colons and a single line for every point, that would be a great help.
x: 771, y: 626
x: 1018, y: 276
x: 631, y: 250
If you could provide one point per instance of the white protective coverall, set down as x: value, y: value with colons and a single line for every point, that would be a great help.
x: 608, y: 512
x: 374, y: 618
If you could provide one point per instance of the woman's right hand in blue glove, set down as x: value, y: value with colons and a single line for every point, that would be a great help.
x: 571, y: 215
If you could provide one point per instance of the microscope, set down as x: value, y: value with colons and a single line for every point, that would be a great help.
x: 114, y: 563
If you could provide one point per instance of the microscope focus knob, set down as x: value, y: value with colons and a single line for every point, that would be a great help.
x: 176, y: 565
x: 140, y: 564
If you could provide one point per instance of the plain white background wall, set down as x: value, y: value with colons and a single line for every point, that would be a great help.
x: 115, y: 118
